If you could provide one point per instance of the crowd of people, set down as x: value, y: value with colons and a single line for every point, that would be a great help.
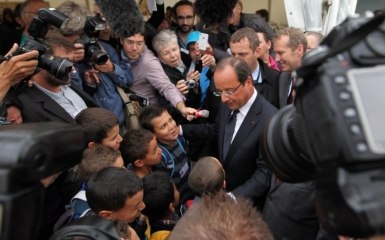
x: 181, y: 175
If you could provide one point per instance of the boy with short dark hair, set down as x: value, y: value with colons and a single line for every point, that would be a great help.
x: 101, y: 127
x: 140, y: 151
x: 160, y: 197
x: 115, y: 194
x: 94, y: 159
x: 207, y: 176
x: 175, y: 160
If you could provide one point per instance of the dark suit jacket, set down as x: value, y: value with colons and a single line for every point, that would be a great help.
x: 39, y: 107
x: 290, y: 212
x: 269, y: 88
x: 284, y: 86
x: 246, y: 173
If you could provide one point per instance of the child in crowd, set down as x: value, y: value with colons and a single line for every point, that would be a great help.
x: 116, y: 194
x: 160, y: 197
x: 207, y: 176
x: 94, y: 159
x: 101, y: 127
x: 140, y: 151
x: 175, y: 160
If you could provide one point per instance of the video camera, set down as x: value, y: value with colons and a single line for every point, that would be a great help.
x: 93, y: 52
x: 39, y: 27
x: 29, y: 153
x: 334, y: 134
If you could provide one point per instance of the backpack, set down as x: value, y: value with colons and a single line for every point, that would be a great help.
x: 77, y: 209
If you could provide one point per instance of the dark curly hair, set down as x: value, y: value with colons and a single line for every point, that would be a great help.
x: 214, y: 11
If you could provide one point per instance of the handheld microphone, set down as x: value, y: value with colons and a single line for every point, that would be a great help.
x: 202, y: 114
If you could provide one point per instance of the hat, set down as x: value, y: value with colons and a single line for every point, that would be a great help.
x: 192, y: 37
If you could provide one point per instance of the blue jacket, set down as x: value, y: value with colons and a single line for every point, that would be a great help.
x: 105, y: 94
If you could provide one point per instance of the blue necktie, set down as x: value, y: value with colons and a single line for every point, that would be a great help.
x: 229, y: 131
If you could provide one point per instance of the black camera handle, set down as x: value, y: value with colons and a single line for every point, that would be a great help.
x: 345, y: 43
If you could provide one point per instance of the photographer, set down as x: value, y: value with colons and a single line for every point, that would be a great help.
x: 165, y: 44
x: 51, y: 98
x: 15, y: 69
x: 97, y: 63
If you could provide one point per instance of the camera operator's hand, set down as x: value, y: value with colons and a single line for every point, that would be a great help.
x: 105, y: 68
x: 182, y: 87
x: 16, y: 69
x: 78, y: 53
x: 208, y: 60
x: 91, y: 77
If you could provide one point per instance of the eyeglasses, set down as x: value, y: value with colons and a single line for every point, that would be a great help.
x: 182, y: 18
x: 132, y: 43
x: 227, y: 93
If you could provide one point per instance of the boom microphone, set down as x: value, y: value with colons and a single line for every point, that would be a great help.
x: 122, y: 16
x: 202, y: 114
x: 214, y: 11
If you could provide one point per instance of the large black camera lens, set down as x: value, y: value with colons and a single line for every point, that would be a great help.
x: 283, y: 146
x: 59, y: 67
x: 96, y: 55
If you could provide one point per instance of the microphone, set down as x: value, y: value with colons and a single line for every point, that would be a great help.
x: 202, y: 114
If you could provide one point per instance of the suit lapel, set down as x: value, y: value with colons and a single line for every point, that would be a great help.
x: 284, y: 85
x: 249, y: 123
x: 49, y: 104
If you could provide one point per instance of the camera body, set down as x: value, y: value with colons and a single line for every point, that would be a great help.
x: 93, y: 51
x: 334, y: 133
x: 45, y: 17
x: 190, y: 83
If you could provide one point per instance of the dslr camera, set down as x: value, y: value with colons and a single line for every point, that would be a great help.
x: 59, y: 67
x: 93, y: 51
x: 334, y: 133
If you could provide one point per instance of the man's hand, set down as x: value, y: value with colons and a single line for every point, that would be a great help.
x: 182, y: 87
x: 78, y: 53
x: 16, y: 69
x: 105, y: 68
x: 91, y: 77
x: 208, y: 60
x: 187, y: 112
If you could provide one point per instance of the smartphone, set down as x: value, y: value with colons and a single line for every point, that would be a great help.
x: 198, y: 65
x: 203, y: 41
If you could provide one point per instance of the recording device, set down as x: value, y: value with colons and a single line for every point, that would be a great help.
x: 28, y: 153
x: 190, y: 83
x: 334, y: 134
x: 198, y: 65
x: 202, y: 114
x: 59, y: 67
x: 93, y: 51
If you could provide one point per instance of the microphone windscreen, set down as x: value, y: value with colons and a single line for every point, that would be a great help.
x: 214, y: 11
x: 202, y: 114
x: 122, y: 16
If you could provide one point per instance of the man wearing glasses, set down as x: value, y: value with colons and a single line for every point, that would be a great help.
x: 242, y: 115
x: 183, y: 13
x: 149, y: 79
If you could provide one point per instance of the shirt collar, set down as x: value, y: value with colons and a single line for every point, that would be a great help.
x: 245, y: 108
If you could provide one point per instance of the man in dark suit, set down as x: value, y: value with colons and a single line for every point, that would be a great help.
x: 290, y: 46
x: 246, y: 173
x: 50, y: 98
x: 289, y: 208
x: 244, y: 44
